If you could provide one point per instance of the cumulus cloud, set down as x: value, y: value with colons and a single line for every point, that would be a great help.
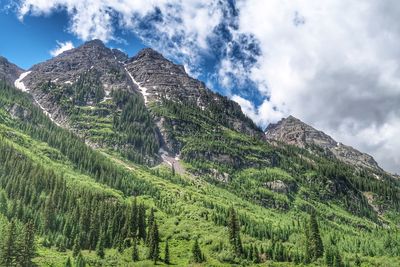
x: 334, y: 63
x: 179, y: 28
x: 61, y: 47
x: 338, y: 69
x: 263, y: 114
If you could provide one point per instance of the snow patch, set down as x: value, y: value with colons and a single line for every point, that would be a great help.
x: 142, y: 89
x: 19, y: 84
x: 68, y: 82
x: 198, y: 102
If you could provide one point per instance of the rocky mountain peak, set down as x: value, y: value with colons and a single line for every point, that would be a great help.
x: 159, y: 78
x: 119, y: 55
x: 293, y: 131
x: 92, y: 66
x: 94, y: 43
x: 148, y: 54
x: 289, y: 122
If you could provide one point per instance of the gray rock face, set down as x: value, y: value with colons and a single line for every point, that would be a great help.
x: 148, y: 72
x: 292, y: 131
x: 9, y: 71
x: 103, y: 66
x: 18, y: 112
x: 159, y: 78
x: 92, y: 57
x: 278, y: 186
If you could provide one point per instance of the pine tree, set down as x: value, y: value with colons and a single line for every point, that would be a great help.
x: 256, y: 255
x: 308, y: 253
x: 250, y: 252
x: 80, y: 261
x: 68, y: 262
x: 8, y: 251
x: 234, y: 232
x: 314, y: 245
x: 166, y: 253
x: 150, y: 225
x: 100, y: 247
x: 76, y: 249
x: 134, y: 219
x: 48, y: 215
x: 196, y: 252
x: 135, y: 251
x: 142, y: 222
x: 28, y: 245
x: 120, y: 245
x: 154, y: 243
x: 357, y: 261
x: 337, y: 262
x: 3, y: 203
x: 329, y: 257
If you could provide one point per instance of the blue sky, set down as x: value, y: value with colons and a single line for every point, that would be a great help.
x: 335, y: 64
x: 35, y: 36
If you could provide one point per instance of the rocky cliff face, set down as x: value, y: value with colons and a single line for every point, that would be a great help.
x: 92, y: 57
x: 56, y: 83
x: 9, y: 71
x: 293, y: 131
x: 159, y: 78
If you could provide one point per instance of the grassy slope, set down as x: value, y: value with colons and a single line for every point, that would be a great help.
x: 185, y: 201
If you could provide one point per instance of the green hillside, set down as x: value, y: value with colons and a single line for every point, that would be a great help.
x: 239, y: 201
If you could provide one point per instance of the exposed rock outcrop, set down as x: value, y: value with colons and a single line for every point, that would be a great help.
x: 293, y: 131
x: 159, y: 78
x: 279, y: 186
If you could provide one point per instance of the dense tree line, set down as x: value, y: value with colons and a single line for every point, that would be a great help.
x: 79, y: 219
x: 88, y: 161
x: 136, y: 125
x: 17, y: 245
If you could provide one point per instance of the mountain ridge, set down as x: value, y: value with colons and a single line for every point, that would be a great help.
x: 137, y: 75
x: 141, y: 73
x: 293, y: 131
x: 53, y: 82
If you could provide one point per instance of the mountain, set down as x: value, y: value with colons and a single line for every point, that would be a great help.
x: 86, y: 89
x: 106, y: 159
x: 9, y: 72
x: 93, y: 83
x: 293, y: 131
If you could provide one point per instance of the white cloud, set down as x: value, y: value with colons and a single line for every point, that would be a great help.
x: 339, y: 71
x: 334, y: 63
x: 191, y: 22
x: 262, y: 115
x: 61, y: 47
x: 93, y: 19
